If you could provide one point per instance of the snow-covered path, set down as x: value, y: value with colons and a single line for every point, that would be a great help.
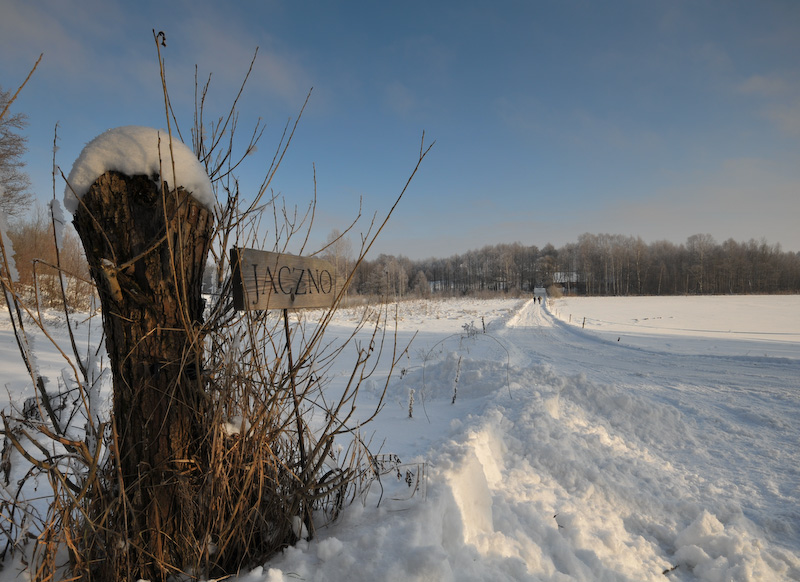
x: 566, y: 456
x: 730, y: 421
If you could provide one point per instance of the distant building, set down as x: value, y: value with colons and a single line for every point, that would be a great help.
x: 566, y: 277
x: 569, y: 282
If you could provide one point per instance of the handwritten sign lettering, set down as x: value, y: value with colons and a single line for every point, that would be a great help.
x: 266, y: 280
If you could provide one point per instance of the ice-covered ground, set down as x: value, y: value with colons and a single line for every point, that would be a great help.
x: 658, y: 440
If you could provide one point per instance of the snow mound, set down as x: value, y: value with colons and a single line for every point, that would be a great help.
x: 135, y: 150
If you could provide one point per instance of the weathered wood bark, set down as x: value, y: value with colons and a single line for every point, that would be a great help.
x: 147, y: 251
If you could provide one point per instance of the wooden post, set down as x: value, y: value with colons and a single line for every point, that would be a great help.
x: 305, y: 510
x: 147, y: 249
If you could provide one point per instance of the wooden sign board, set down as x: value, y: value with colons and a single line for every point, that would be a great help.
x: 265, y: 280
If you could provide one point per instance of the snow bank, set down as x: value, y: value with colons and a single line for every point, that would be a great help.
x: 135, y: 150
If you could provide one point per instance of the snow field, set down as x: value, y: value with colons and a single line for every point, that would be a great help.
x: 570, y: 456
x: 749, y: 325
x: 540, y: 472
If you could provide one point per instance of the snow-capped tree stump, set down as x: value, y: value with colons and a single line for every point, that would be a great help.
x: 147, y: 249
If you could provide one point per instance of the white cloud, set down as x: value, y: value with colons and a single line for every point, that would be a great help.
x: 780, y: 94
x: 108, y: 45
x: 225, y: 48
x: 399, y: 98
x: 786, y: 117
x: 62, y: 31
x: 768, y: 85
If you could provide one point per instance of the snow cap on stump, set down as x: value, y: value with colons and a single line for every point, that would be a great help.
x: 134, y: 150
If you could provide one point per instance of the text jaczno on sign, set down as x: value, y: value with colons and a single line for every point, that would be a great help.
x: 265, y: 280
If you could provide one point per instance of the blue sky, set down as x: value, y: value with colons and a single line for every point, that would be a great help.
x: 551, y: 119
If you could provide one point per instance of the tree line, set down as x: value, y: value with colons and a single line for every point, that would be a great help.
x: 597, y: 264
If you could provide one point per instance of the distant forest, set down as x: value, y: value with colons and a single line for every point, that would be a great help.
x: 598, y: 264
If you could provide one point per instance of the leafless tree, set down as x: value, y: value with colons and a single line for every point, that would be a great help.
x: 700, y: 246
x: 339, y: 252
x: 15, y: 195
x: 602, y: 264
x: 39, y: 266
x: 421, y: 286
